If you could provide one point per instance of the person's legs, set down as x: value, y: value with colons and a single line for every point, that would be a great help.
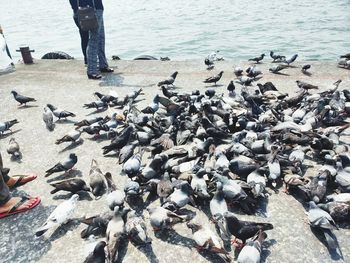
x: 5, y: 195
x: 92, y: 53
x: 101, y: 41
x: 84, y: 37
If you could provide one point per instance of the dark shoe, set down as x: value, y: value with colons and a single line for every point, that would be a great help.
x: 94, y: 76
x: 107, y: 70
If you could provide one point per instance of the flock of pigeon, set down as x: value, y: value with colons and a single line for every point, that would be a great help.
x: 208, y: 151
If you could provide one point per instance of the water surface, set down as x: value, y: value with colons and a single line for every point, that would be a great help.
x: 186, y: 29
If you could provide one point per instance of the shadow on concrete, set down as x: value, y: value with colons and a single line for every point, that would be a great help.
x: 66, y: 175
x: 19, y: 241
x: 306, y: 73
x: 4, y: 136
x: 72, y: 146
x: 114, y: 79
x: 83, y: 195
x: 97, y: 111
x: 26, y: 107
x: 335, y: 254
x: 149, y: 253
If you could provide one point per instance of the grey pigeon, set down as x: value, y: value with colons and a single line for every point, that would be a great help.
x: 98, y: 255
x: 73, y: 136
x: 60, y: 113
x: 115, y: 196
x: 251, y: 252
x: 168, y: 81
x: 320, y: 219
x: 63, y: 166
x: 21, y: 99
x: 136, y: 229
x: 4, y: 126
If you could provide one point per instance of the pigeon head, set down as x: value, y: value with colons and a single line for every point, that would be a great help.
x: 231, y: 217
x: 14, y: 93
x: 51, y: 107
x: 74, y: 198
x: 174, y: 74
x: 221, y: 72
x: 100, y: 248
x: 262, y: 55
x: 194, y: 227
x: 73, y: 156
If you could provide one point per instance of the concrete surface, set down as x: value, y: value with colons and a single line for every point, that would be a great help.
x: 64, y: 84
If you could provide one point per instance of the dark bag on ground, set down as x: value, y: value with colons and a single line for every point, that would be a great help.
x: 87, y: 18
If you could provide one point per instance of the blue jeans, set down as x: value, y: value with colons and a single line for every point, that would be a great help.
x: 96, y: 57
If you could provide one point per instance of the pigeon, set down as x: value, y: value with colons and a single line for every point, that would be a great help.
x: 153, y: 107
x: 257, y: 59
x: 120, y: 141
x: 60, y: 113
x: 320, y: 219
x: 97, y: 179
x: 169, y: 81
x: 13, y: 148
x: 136, y: 229
x: 276, y: 57
x: 305, y: 68
x: 305, y: 86
x: 277, y: 68
x: 73, y: 136
x: 168, y: 93
x: 64, y: 166
x: 126, y: 152
x: 214, y: 79
x: 48, y: 119
x: 61, y: 215
x: 339, y: 211
x: 347, y: 56
x: 98, y: 104
x: 132, y: 188
x: 106, y: 98
x: 290, y: 60
x: 251, y: 252
x: 87, y: 122
x: 238, y: 71
x: 206, y: 239
x: 4, y: 126
x: 22, y: 99
x: 209, y: 63
x: 133, y: 165
x: 115, y: 232
x: 244, y: 230
x: 115, y: 197
x: 98, y: 255
x: 73, y: 185
x: 162, y: 218
x: 218, y: 205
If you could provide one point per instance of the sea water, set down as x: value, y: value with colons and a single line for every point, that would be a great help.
x: 187, y: 29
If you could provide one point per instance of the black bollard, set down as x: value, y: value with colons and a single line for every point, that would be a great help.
x: 26, y: 55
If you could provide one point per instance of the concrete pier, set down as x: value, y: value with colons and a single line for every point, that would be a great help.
x: 64, y: 84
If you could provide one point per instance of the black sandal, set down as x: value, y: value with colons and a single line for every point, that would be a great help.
x: 94, y: 76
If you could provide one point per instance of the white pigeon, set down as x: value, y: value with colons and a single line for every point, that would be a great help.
x: 61, y: 215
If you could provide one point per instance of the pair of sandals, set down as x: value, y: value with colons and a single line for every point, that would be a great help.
x: 15, y: 209
x: 99, y: 76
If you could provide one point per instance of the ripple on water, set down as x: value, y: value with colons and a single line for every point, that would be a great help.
x: 174, y: 28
